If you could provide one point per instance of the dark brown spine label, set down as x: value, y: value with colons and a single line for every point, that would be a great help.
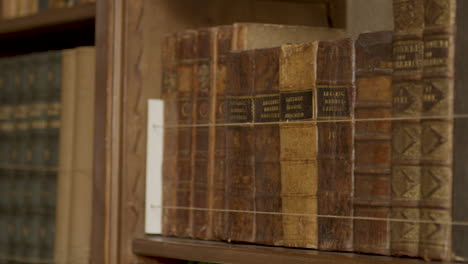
x: 239, y: 109
x: 333, y: 101
x: 408, y: 56
x: 267, y: 108
x: 297, y: 105
x: 436, y: 52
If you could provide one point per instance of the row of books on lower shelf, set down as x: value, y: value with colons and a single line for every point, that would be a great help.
x: 19, y: 8
x: 46, y: 126
x: 332, y: 143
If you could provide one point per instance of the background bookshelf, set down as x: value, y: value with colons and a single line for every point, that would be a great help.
x: 49, y: 30
x: 58, y: 28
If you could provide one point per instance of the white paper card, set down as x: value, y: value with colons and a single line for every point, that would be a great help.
x: 154, y: 158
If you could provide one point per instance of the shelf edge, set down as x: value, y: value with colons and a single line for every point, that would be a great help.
x: 46, y: 19
x: 222, y: 252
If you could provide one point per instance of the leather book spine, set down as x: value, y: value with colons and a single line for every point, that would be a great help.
x: 269, y: 227
x: 33, y: 7
x: 460, y: 151
x: 437, y: 129
x: 373, y: 142
x: 200, y: 151
x: 82, y: 183
x: 56, y: 3
x: 9, y: 9
x: 335, y: 98
x: 408, y: 51
x: 66, y: 165
x: 22, y: 8
x: 170, y: 148
x: 8, y: 110
x: 240, y: 147
x: 50, y: 152
x: 32, y: 174
x: 21, y: 167
x: 41, y: 137
x: 298, y: 144
x: 223, y: 44
x: 186, y: 57
x: 5, y: 187
x: 39, y: 141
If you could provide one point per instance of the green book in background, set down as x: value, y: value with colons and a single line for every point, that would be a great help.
x: 9, y: 139
x: 4, y: 160
x: 43, y: 5
x: 19, y: 162
x: 49, y: 183
x: 25, y: 140
x: 38, y: 116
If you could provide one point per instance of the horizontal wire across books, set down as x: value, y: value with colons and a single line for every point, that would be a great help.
x: 456, y: 116
x: 453, y: 223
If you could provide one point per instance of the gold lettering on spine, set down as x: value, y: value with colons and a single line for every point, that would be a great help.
x: 239, y: 109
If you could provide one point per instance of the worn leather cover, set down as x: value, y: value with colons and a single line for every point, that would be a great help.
x: 243, y: 36
x: 372, y: 142
x: 407, y: 89
x: 218, y: 217
x: 298, y: 147
x: 202, y: 84
x: 335, y: 97
x: 240, y: 148
x: 436, y: 133
x: 269, y: 228
x: 169, y: 173
x: 186, y: 70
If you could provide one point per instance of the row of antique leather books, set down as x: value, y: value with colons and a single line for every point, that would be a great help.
x: 46, y: 114
x: 19, y: 8
x: 333, y: 144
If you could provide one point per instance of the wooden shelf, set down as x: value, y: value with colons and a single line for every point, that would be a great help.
x: 47, y: 20
x: 222, y: 252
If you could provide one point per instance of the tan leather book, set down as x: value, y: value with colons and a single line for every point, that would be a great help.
x: 258, y: 36
x: 83, y: 146
x: 298, y: 148
x: 436, y: 133
x: 9, y: 9
x: 408, y: 52
x: 56, y: 3
x: 443, y: 137
x: 373, y: 142
x: 22, y: 8
x: 66, y: 160
x: 33, y: 7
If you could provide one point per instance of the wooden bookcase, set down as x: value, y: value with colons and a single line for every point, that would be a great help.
x: 53, y: 29
x: 129, y: 38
